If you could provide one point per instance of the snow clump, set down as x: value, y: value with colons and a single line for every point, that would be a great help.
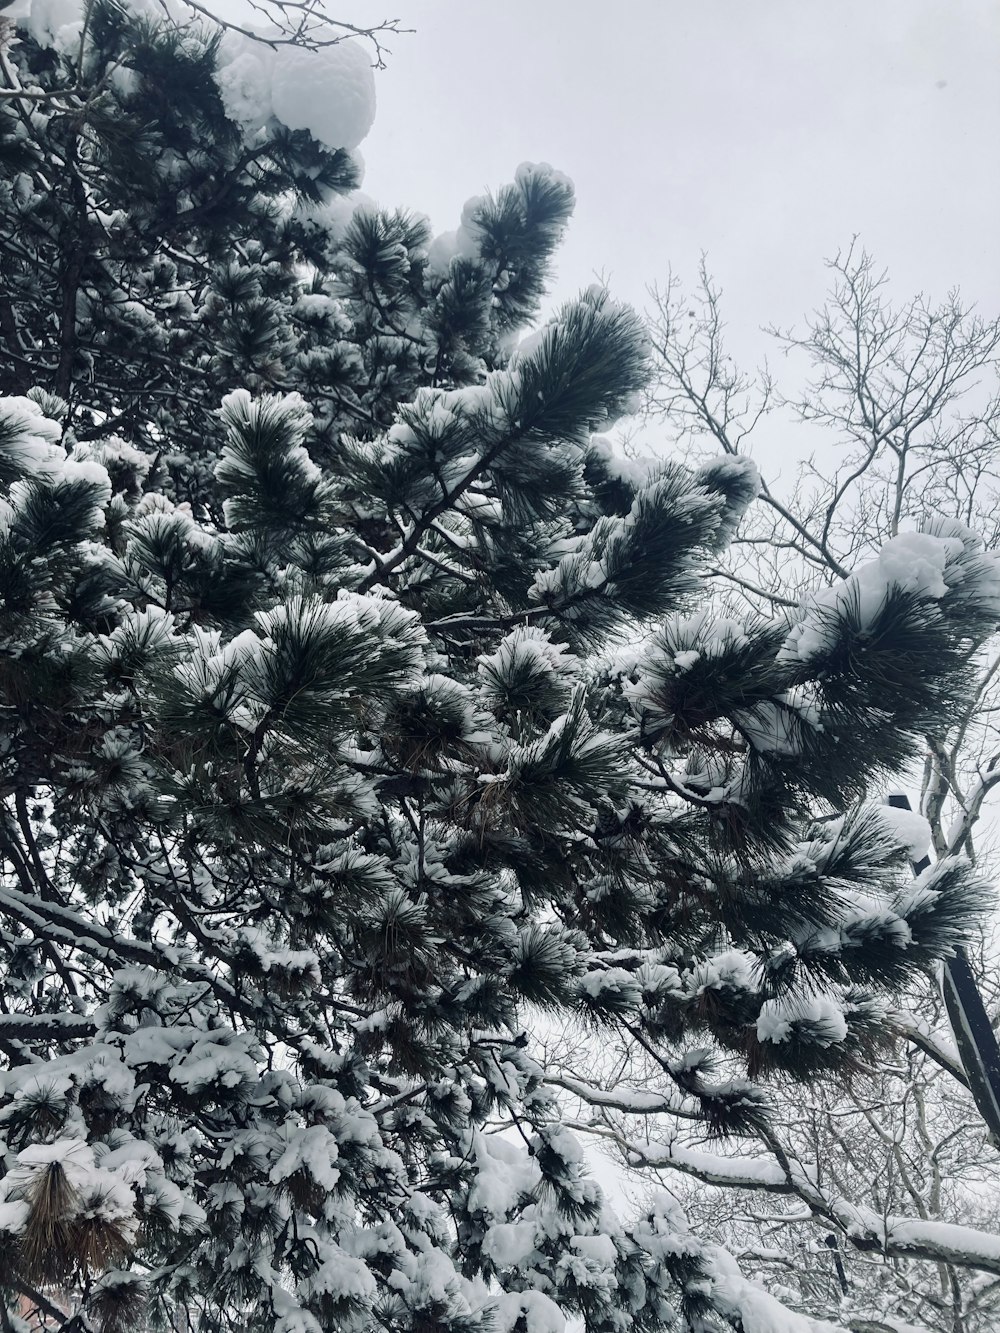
x: 929, y: 564
x: 910, y: 829
x: 330, y: 92
x: 54, y: 24
x: 244, y: 84
x: 778, y: 1018
x: 29, y: 440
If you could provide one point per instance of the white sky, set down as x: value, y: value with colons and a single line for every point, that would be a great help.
x: 764, y: 133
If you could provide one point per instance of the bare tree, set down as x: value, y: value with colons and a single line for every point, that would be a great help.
x: 905, y: 403
x: 838, y: 1207
x: 868, y: 1202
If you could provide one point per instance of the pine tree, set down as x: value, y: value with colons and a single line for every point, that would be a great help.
x: 359, y: 720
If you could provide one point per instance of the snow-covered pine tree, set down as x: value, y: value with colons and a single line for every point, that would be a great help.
x: 358, y: 726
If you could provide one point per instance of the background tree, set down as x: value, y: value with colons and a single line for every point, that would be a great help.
x: 904, y: 1141
x: 899, y: 411
x: 324, y: 767
x: 902, y: 405
x: 826, y: 1208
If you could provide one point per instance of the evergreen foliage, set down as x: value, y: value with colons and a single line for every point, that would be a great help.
x: 357, y: 717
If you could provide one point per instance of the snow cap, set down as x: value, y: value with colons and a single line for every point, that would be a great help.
x: 330, y: 92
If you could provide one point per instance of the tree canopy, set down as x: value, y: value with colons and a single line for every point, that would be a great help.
x: 362, y: 714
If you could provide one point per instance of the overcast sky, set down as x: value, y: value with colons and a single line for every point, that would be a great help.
x: 764, y: 133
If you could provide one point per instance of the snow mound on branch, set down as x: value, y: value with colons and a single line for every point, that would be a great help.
x: 756, y: 1309
x: 636, y: 470
x: 778, y: 1018
x: 54, y: 24
x: 104, y: 1194
x: 244, y: 84
x: 537, y: 1312
x: 29, y: 440
x: 910, y: 829
x: 330, y: 92
x: 463, y: 243
x: 510, y: 1244
x: 927, y: 564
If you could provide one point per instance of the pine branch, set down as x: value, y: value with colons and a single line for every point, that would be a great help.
x: 46, y: 1027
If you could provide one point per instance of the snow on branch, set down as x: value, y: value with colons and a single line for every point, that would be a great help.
x: 891, y: 1235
